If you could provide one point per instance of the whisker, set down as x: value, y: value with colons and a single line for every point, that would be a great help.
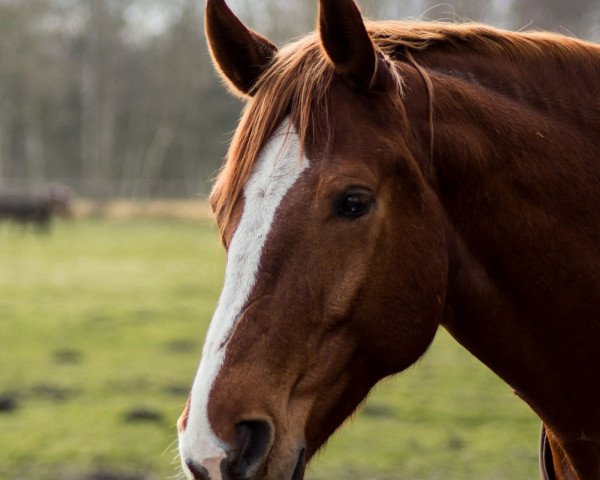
x: 169, y: 446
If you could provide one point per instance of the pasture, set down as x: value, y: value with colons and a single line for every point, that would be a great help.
x: 101, y: 327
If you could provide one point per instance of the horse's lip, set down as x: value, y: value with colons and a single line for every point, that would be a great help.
x: 299, y: 469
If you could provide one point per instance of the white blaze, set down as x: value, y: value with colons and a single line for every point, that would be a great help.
x: 277, y: 168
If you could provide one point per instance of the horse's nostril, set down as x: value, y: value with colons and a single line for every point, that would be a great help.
x: 198, y: 471
x: 254, y: 441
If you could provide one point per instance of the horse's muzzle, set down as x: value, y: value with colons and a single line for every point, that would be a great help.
x: 247, y: 463
x: 247, y: 458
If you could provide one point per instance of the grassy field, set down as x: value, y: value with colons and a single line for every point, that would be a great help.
x: 101, y: 327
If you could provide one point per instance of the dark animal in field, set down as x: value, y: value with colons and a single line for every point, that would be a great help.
x: 387, y: 178
x: 37, y: 210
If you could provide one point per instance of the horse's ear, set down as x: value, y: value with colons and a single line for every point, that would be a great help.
x: 346, y: 41
x: 239, y: 54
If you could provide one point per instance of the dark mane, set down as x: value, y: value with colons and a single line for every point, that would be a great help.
x: 298, y: 82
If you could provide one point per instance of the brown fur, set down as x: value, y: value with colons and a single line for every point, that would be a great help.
x: 482, y: 156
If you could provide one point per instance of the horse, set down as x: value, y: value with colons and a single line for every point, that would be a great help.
x: 387, y: 179
x: 36, y: 209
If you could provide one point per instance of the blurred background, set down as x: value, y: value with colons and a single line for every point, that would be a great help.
x: 113, y: 121
x: 117, y: 98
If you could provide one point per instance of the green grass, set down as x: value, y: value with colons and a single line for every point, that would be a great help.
x: 104, y: 318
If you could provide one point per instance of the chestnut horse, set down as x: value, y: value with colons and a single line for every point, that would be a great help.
x: 387, y: 178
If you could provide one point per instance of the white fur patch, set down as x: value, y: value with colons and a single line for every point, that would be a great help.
x: 277, y: 168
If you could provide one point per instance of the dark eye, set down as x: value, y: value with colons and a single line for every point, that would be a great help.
x: 354, y: 203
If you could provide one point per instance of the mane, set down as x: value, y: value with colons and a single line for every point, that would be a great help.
x: 299, y: 79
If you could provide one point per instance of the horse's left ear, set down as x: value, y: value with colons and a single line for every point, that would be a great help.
x: 239, y: 54
x: 347, y: 42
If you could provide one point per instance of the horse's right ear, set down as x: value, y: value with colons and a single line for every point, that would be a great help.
x: 239, y: 54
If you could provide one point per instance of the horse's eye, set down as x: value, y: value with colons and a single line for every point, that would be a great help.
x: 354, y: 203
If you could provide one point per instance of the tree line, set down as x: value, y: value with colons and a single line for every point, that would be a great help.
x: 118, y: 98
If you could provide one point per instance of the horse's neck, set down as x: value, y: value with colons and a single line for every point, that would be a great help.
x: 516, y: 162
x: 551, y: 84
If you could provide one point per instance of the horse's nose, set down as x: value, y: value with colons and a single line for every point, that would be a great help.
x: 253, y: 444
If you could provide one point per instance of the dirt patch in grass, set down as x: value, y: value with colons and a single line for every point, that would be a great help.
x: 106, y: 474
x: 9, y: 402
x: 378, y: 410
x: 177, y: 390
x: 67, y: 356
x: 181, y: 345
x: 143, y: 415
x: 52, y: 392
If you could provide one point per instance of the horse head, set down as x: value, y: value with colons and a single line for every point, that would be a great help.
x: 337, y: 267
